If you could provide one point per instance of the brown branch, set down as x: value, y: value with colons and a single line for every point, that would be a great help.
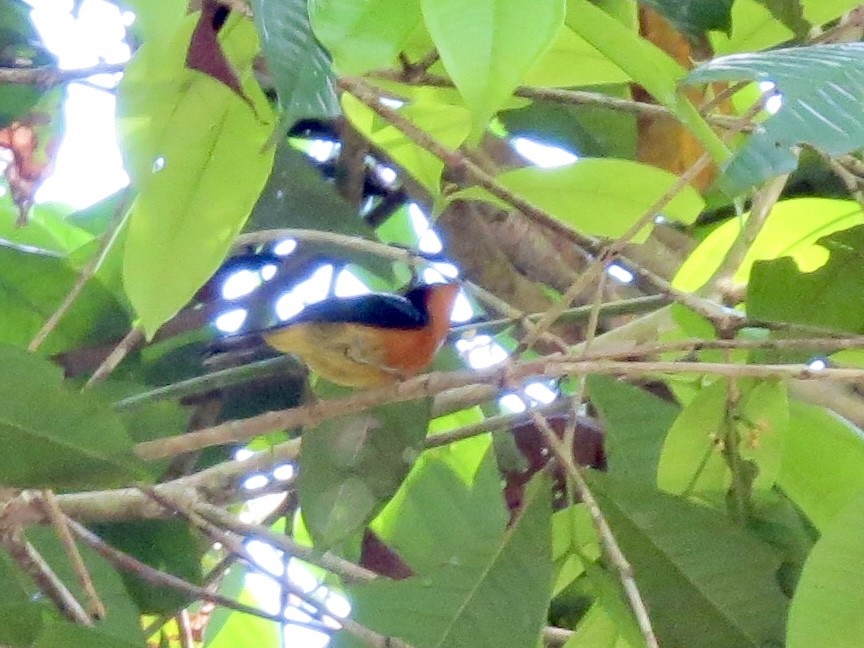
x: 123, y: 348
x: 86, y: 274
x: 154, y: 576
x: 428, y: 385
x: 51, y: 76
x: 48, y: 583
x: 58, y: 521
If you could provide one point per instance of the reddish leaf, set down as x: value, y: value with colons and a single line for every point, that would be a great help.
x: 33, y: 146
x: 205, y: 52
x: 588, y: 451
x: 376, y: 556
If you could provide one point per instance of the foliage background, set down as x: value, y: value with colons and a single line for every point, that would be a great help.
x: 697, y: 479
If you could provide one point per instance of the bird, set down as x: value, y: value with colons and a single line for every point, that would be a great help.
x: 369, y: 340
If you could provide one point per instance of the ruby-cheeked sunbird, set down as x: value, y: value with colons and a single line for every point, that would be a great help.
x: 369, y: 340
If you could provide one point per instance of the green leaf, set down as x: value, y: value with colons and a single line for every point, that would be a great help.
x: 21, y: 623
x: 823, y: 462
x: 232, y: 629
x: 695, y: 17
x: 753, y: 28
x: 300, y: 66
x: 598, y: 630
x: 54, y: 437
x: 587, y: 195
x: 428, y: 530
x: 363, y: 36
x: 762, y: 414
x: 64, y: 635
x: 792, y: 229
x: 636, y: 423
x: 826, y: 608
x: 33, y: 283
x: 572, y: 61
x: 487, y: 46
x: 692, y: 461
x: 499, y: 598
x: 123, y: 619
x: 167, y: 545
x: 183, y: 134
x: 707, y: 582
x: 828, y: 297
x: 819, y: 12
x: 645, y: 63
x: 351, y: 466
x: 821, y: 87
x: 448, y: 125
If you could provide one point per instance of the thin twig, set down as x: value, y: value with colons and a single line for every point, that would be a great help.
x: 58, y: 521
x: 51, y: 76
x: 129, y: 342
x: 184, y: 629
x: 154, y: 576
x: 604, y: 532
x: 37, y: 568
x: 428, y: 385
x: 86, y: 274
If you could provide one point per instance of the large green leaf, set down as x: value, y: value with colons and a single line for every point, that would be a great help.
x: 300, y: 66
x: 53, y: 437
x: 448, y: 125
x: 351, y: 466
x: 487, y: 46
x: 707, y: 582
x: 497, y: 599
x: 695, y: 17
x: 692, y: 461
x: 33, y: 283
x: 823, y: 463
x: 822, y: 87
x: 826, y: 608
x: 428, y: 530
x: 587, y: 195
x: 572, y: 61
x: 792, y: 229
x: 829, y: 297
x: 363, y: 36
x: 636, y: 422
x: 195, y: 152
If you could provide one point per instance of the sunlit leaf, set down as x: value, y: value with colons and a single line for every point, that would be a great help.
x: 587, y: 196
x: 823, y: 462
x: 571, y: 61
x: 487, y: 46
x: 186, y: 169
x: 791, y: 230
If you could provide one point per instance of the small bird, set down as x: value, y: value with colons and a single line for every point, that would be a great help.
x: 369, y: 340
